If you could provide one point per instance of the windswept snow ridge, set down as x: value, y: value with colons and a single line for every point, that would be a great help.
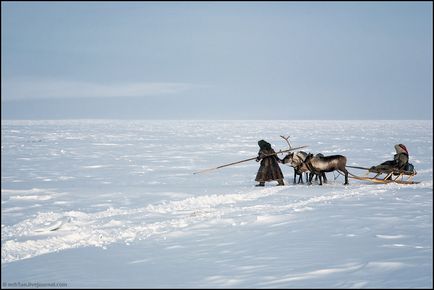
x: 100, y: 229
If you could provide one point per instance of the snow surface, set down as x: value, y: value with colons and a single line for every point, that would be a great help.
x: 108, y: 203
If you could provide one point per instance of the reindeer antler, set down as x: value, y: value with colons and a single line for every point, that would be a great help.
x: 287, y: 141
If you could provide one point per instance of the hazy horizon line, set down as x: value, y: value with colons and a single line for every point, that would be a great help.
x: 184, y: 119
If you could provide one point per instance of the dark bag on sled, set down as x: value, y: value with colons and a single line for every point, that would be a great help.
x: 409, y: 167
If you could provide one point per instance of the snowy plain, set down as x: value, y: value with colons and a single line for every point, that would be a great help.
x: 111, y: 203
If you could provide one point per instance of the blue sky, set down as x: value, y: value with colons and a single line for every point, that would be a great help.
x: 217, y: 60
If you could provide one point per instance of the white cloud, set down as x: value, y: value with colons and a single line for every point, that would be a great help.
x: 45, y: 88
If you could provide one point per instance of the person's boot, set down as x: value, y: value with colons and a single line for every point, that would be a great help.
x: 260, y: 184
x: 280, y: 182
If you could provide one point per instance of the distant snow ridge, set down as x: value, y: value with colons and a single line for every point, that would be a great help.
x: 78, y: 229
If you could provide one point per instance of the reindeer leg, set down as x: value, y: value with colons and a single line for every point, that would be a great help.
x: 346, y: 176
x: 310, y: 177
x: 324, y: 177
x: 320, y: 178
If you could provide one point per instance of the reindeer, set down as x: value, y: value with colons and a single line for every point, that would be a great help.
x: 319, y: 165
x: 296, y: 160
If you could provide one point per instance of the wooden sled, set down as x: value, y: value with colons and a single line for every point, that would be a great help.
x: 386, y: 176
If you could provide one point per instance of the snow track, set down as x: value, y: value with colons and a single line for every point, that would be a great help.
x: 100, y: 229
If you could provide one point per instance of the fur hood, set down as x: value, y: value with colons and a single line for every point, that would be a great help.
x: 264, y: 145
x: 400, y: 148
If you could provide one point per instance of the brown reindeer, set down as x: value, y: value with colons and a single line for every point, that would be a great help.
x: 297, y: 161
x: 319, y: 165
x: 297, y: 164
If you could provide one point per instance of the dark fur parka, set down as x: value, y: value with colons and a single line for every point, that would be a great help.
x: 269, y: 169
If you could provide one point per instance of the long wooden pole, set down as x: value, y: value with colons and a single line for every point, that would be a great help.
x: 253, y: 158
x: 357, y: 167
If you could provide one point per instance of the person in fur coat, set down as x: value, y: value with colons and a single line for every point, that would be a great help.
x: 399, y: 162
x: 269, y: 169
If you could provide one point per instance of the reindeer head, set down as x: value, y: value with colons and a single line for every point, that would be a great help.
x: 308, y: 157
x: 292, y: 160
x: 288, y: 158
